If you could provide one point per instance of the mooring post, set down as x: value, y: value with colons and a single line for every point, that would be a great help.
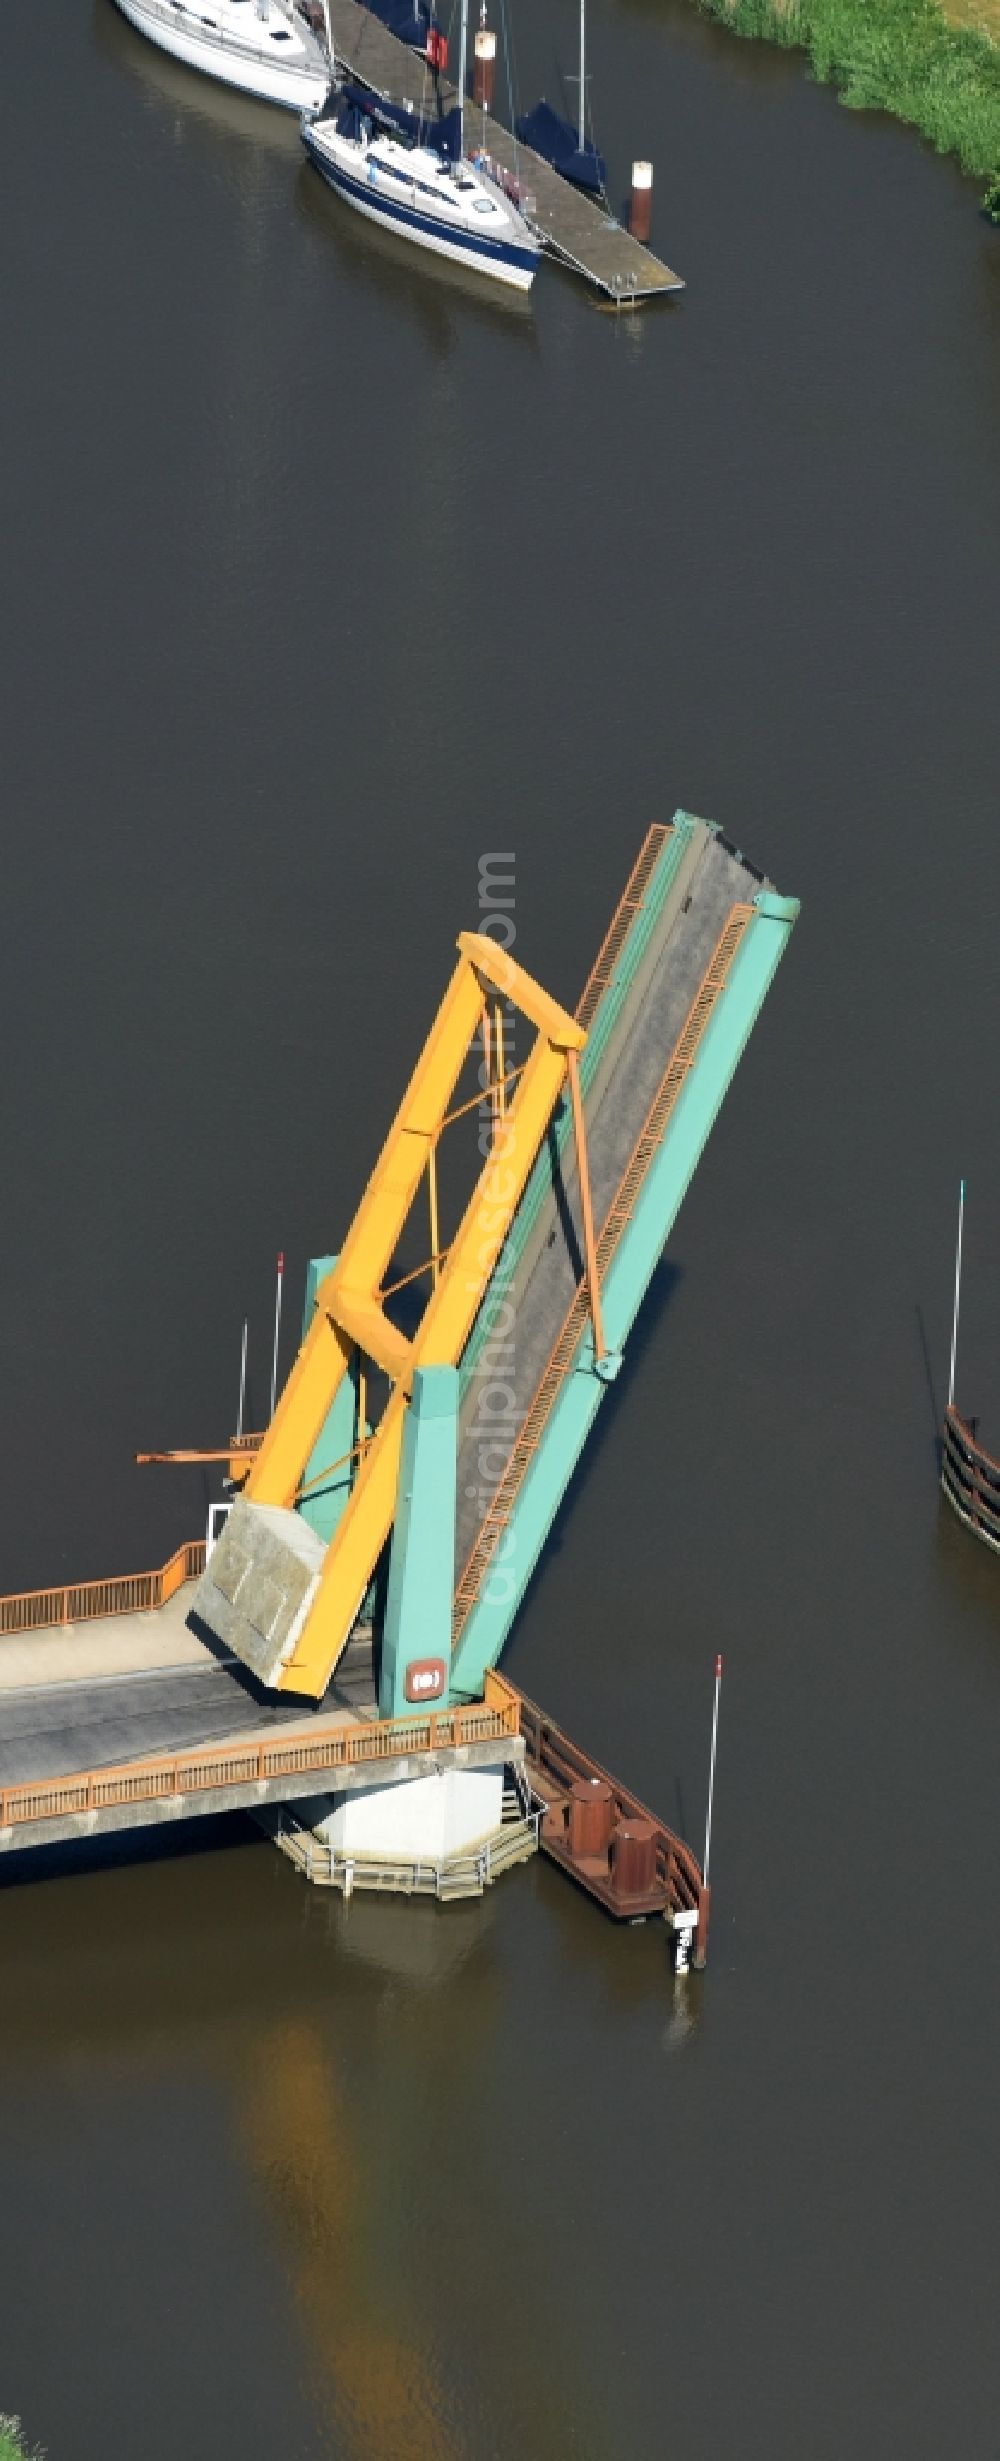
x: 640, y: 218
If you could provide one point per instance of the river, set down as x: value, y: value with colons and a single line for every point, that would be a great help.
x: 322, y: 576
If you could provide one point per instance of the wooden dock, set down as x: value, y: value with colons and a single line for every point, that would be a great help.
x: 571, y: 226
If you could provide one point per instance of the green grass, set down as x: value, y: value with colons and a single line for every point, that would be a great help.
x: 892, y: 55
x: 12, y: 2444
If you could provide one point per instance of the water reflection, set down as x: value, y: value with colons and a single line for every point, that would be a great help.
x: 200, y: 105
x: 429, y: 287
x: 300, y: 2135
x: 966, y: 1573
x: 206, y: 113
x: 685, y: 2014
x: 354, y: 2059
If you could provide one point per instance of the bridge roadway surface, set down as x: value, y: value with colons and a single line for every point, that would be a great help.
x: 93, y: 1695
x: 541, y: 1279
x: 569, y: 224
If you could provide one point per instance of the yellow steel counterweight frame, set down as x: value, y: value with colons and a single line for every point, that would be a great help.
x: 349, y: 1312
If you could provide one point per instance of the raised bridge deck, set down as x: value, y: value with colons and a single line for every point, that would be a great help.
x: 582, y: 234
x: 641, y: 1049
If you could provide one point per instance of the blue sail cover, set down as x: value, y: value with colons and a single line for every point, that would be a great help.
x: 441, y: 133
x: 445, y: 134
x: 408, y: 20
x: 556, y: 140
x: 396, y: 118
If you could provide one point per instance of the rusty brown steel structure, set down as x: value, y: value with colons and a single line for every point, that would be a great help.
x: 600, y: 1834
x: 970, y: 1479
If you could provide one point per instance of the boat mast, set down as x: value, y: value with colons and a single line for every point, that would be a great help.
x: 463, y: 44
x: 583, y: 75
x: 329, y: 40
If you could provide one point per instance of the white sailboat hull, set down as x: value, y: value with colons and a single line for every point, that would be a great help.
x: 245, y: 56
x: 505, y: 252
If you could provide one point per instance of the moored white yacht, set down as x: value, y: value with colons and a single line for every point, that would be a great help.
x: 417, y: 183
x: 263, y: 46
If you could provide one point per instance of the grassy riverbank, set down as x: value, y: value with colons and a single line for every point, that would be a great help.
x: 902, y: 56
x: 12, y: 2445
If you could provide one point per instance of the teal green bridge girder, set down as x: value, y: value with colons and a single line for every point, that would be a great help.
x: 637, y: 1255
x: 421, y: 1586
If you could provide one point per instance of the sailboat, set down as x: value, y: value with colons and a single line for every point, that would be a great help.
x: 569, y: 150
x: 265, y: 47
x: 410, y: 174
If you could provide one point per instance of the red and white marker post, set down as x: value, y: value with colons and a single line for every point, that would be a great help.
x: 705, y: 1901
x: 711, y: 1769
x: 690, y: 1926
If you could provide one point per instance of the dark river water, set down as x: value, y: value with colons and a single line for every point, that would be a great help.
x: 322, y: 575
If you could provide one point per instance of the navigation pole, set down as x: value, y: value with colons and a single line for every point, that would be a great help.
x: 277, y: 1330
x: 958, y: 1293
x: 711, y: 1770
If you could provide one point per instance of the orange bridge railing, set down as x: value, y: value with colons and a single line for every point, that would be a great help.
x: 254, y: 1763
x: 80, y: 1602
